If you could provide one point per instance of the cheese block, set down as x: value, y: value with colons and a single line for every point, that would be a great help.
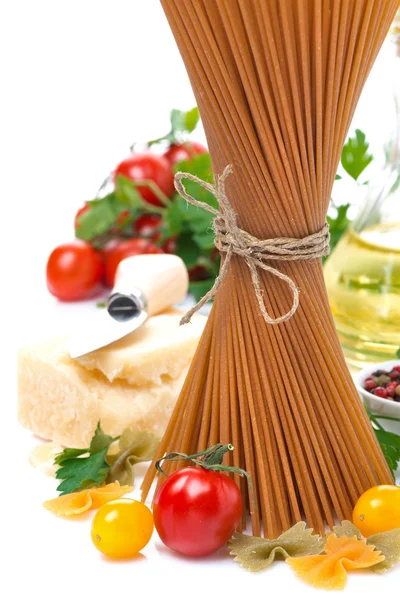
x: 125, y: 385
x: 159, y: 348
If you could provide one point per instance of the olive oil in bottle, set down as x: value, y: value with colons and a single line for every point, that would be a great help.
x: 363, y: 272
x: 363, y: 280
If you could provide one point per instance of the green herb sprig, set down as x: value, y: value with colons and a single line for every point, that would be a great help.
x: 355, y: 155
x: 388, y: 441
x: 84, y: 468
x: 355, y: 159
x: 182, y: 124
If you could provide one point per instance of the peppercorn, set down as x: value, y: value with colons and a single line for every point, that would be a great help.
x: 369, y: 384
x: 391, y: 388
x: 381, y: 392
x: 381, y: 380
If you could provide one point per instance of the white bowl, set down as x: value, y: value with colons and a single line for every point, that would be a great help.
x: 379, y: 406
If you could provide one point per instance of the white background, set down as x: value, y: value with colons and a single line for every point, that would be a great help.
x: 80, y: 81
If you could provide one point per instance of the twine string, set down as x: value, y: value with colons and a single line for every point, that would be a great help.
x: 230, y: 240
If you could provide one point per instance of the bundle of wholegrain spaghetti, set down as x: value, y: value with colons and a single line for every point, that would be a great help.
x: 277, y: 82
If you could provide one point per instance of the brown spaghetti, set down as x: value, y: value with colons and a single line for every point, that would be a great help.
x: 277, y: 82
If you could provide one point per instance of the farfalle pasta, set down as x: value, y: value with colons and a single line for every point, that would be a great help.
x: 257, y: 554
x: 341, y: 554
x: 80, y: 502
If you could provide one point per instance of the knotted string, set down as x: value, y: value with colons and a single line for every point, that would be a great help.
x: 230, y: 240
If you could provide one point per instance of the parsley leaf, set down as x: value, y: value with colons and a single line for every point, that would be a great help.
x: 201, y: 167
x: 68, y: 453
x: 83, y: 468
x: 192, y: 226
x: 355, y: 157
x: 338, y: 224
x: 390, y: 444
x: 187, y: 250
x: 101, y: 216
x: 127, y: 193
x: 181, y: 216
x: 388, y: 441
x: 182, y: 123
x: 82, y: 473
x: 100, y: 440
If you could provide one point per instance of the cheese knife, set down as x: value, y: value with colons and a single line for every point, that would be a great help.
x: 145, y: 285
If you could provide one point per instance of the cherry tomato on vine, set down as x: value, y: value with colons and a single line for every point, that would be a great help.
x: 148, y: 226
x: 378, y: 510
x: 151, y: 167
x: 198, y: 273
x: 122, y: 528
x: 109, y: 248
x: 105, y: 253
x: 196, y: 511
x: 74, y: 271
x: 123, y: 250
x: 169, y: 246
x: 178, y: 152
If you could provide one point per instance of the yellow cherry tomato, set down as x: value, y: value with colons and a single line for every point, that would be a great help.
x: 121, y: 528
x: 378, y: 510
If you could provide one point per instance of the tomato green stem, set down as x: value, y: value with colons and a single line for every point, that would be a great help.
x: 215, y: 455
x: 211, y: 460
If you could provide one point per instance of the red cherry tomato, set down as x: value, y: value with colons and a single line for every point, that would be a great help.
x: 148, y: 166
x: 169, y: 246
x: 105, y: 253
x: 74, y: 271
x: 80, y: 212
x: 109, y: 248
x: 196, y: 511
x: 178, y: 152
x: 198, y: 273
x: 148, y: 226
x: 124, y: 250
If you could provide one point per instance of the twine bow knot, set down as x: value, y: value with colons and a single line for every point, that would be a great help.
x: 230, y: 240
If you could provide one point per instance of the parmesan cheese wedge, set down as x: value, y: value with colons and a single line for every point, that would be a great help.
x: 159, y: 348
x: 131, y: 383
